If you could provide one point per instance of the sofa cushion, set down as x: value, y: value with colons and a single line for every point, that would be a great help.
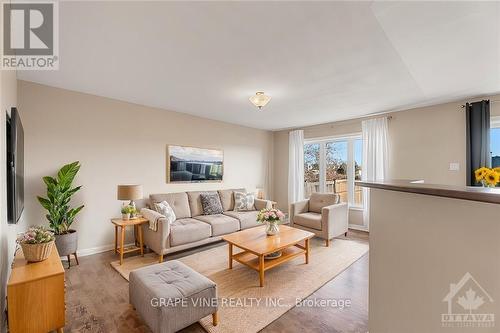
x: 308, y: 220
x: 211, y: 203
x: 319, y: 200
x: 178, y: 201
x: 194, y: 198
x: 188, y: 230
x: 227, y: 198
x: 164, y: 209
x: 244, y: 201
x: 247, y: 219
x: 221, y: 224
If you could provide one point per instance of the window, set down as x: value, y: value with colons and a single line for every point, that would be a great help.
x: 311, y: 168
x: 336, y: 168
x: 358, y: 159
x: 495, y: 147
x: 332, y: 165
x: 495, y: 142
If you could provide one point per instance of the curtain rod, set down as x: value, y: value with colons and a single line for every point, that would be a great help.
x: 463, y: 105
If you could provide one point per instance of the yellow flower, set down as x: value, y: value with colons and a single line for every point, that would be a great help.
x: 481, y: 173
x: 497, y: 169
x: 492, y: 177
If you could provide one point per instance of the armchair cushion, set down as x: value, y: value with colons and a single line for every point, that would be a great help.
x: 299, y: 207
x: 319, y: 200
x: 308, y: 220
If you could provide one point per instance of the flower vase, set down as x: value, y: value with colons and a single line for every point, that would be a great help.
x: 272, y: 228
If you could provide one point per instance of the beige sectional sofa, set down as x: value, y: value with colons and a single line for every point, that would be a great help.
x: 191, y: 228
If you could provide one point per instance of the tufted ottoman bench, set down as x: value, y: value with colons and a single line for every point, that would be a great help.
x: 170, y: 296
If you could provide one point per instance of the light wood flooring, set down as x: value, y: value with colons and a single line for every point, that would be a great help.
x: 97, y: 300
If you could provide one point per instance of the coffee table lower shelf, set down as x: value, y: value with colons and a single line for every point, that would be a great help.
x: 260, y: 264
x: 251, y: 260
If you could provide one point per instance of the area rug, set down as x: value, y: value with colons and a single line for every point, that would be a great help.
x: 246, y: 307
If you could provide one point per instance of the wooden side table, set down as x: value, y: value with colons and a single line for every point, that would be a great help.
x: 122, y: 224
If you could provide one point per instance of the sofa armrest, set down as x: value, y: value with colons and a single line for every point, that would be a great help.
x: 335, y: 219
x: 298, y: 207
x: 156, y: 240
x: 262, y: 204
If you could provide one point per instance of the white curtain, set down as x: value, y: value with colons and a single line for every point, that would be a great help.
x: 375, y: 157
x: 296, y: 166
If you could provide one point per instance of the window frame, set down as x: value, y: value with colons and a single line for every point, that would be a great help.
x: 350, y: 138
x: 495, y: 122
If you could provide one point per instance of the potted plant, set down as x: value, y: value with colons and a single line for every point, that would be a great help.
x: 127, y: 211
x: 57, y: 204
x: 36, y: 243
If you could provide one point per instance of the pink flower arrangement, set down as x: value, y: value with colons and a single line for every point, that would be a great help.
x: 36, y: 235
x: 270, y: 215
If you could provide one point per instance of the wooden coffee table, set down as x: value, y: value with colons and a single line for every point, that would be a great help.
x: 256, y: 244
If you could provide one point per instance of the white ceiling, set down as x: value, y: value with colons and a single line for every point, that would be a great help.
x: 320, y: 61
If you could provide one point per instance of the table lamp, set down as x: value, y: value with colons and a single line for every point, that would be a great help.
x: 129, y: 192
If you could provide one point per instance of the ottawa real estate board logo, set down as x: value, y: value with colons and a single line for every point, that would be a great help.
x: 30, y: 34
x: 469, y: 305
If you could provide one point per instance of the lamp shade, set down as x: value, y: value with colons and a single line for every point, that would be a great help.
x: 129, y: 192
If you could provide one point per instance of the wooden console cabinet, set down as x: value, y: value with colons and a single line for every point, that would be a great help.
x: 35, y: 295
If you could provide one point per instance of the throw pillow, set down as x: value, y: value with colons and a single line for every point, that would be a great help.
x: 244, y: 201
x: 164, y: 209
x: 211, y: 204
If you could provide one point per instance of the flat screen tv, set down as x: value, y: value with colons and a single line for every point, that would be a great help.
x: 15, y: 167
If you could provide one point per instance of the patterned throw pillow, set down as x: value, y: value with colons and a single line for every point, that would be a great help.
x: 164, y: 209
x: 244, y: 201
x: 211, y: 204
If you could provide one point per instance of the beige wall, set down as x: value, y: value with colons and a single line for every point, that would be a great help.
x: 8, y: 99
x: 119, y: 143
x: 422, y: 142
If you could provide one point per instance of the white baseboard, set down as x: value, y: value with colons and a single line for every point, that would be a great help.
x: 358, y: 227
x: 95, y: 250
x: 99, y: 249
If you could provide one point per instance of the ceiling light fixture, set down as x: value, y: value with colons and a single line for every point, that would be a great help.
x: 260, y: 99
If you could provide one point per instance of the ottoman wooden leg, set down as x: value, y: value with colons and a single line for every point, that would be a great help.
x: 160, y: 258
x: 215, y: 318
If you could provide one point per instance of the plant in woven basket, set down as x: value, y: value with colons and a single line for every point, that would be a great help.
x: 36, y: 243
x: 36, y: 235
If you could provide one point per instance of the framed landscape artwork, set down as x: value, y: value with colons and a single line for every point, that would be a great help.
x: 194, y: 165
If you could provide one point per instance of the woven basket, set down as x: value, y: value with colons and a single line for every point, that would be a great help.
x: 37, y: 252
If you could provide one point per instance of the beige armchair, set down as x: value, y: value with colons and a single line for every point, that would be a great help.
x: 321, y: 214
